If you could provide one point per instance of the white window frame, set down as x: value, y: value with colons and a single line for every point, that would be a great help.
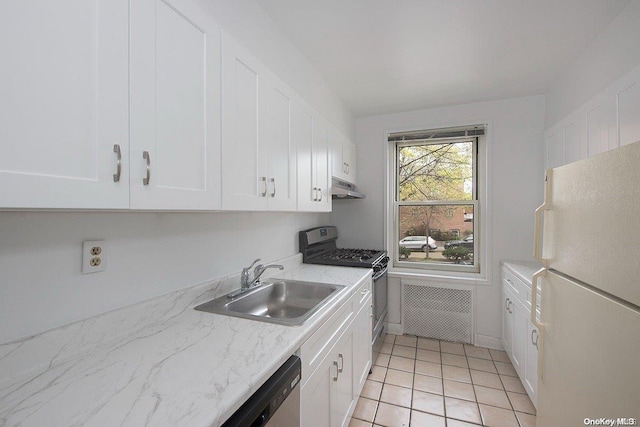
x: 482, y: 225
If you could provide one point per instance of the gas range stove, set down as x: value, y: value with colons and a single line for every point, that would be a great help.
x: 318, y: 246
x: 350, y: 257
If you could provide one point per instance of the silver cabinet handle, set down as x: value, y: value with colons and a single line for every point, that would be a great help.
x: 344, y: 167
x: 315, y: 194
x: 320, y: 193
x: 510, y: 310
x: 147, y: 157
x: 348, y: 168
x: 342, y: 364
x: 264, y: 181
x: 337, y: 371
x: 508, y: 306
x: 534, y: 342
x: 273, y: 181
x: 116, y: 149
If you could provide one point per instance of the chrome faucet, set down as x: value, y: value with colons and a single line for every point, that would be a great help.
x: 257, y: 272
x: 245, y: 283
x: 244, y: 276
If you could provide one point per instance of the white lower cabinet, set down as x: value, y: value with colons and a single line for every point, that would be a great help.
x: 519, y: 336
x: 335, y: 363
x: 514, y: 328
x: 362, y: 345
x: 507, y: 319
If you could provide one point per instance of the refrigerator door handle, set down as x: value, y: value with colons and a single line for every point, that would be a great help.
x: 537, y: 247
x: 534, y: 317
x: 534, y: 297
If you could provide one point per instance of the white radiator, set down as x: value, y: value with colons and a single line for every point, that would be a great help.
x: 440, y: 313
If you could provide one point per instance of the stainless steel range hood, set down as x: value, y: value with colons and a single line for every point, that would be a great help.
x: 344, y: 190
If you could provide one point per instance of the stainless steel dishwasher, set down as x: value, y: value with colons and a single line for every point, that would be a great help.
x: 276, y: 403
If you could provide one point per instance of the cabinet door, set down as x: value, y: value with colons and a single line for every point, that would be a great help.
x: 349, y: 159
x: 362, y: 328
x: 244, y: 170
x: 305, y: 131
x: 321, y: 162
x: 531, y: 360
x: 342, y: 396
x: 519, y: 337
x: 279, y: 147
x: 175, y: 97
x: 507, y: 320
x: 312, y: 137
x: 315, y: 395
x: 338, y: 168
x: 64, y: 103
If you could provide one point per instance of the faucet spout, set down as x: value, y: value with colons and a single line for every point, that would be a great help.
x: 257, y: 272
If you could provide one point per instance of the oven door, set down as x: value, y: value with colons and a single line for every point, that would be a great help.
x: 379, y: 310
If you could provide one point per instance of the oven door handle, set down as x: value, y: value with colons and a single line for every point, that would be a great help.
x: 380, y: 273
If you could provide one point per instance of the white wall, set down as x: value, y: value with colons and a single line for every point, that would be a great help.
x: 614, y: 53
x: 515, y: 181
x: 150, y: 254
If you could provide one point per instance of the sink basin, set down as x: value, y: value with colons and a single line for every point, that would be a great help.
x: 287, y: 302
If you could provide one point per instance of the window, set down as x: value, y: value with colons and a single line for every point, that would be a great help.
x: 435, y: 182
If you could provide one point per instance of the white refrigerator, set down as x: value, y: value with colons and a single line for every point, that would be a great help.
x: 587, y: 235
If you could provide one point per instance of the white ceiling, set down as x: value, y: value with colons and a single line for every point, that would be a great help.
x: 383, y: 56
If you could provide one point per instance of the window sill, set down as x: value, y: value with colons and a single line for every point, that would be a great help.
x: 450, y: 277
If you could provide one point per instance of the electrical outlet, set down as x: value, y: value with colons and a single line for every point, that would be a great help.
x: 93, y: 256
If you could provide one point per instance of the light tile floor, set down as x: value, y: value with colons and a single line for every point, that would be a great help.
x: 421, y: 382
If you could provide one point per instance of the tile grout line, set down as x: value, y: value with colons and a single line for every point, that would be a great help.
x: 411, y: 408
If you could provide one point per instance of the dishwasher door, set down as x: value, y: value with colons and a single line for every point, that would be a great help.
x: 275, y: 403
x: 288, y: 414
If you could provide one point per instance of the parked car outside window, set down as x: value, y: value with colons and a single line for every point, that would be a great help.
x: 418, y: 243
x: 467, y: 242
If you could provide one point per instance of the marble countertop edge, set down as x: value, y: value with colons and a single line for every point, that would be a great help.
x: 176, y: 366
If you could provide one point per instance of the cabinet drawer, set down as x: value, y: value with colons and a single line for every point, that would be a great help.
x: 519, y: 288
x: 320, y: 343
x: 362, y: 294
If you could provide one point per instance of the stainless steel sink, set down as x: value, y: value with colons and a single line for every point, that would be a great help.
x: 287, y: 302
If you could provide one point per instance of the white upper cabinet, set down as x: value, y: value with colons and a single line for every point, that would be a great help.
x: 609, y: 120
x: 312, y: 137
x: 64, y: 104
x: 243, y: 104
x: 343, y: 165
x: 259, y: 169
x: 175, y: 107
x: 279, y: 147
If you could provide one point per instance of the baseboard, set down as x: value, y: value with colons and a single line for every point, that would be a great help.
x: 488, y: 342
x: 395, y: 328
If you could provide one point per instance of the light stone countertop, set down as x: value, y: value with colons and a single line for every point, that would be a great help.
x: 157, y: 363
x: 523, y: 269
